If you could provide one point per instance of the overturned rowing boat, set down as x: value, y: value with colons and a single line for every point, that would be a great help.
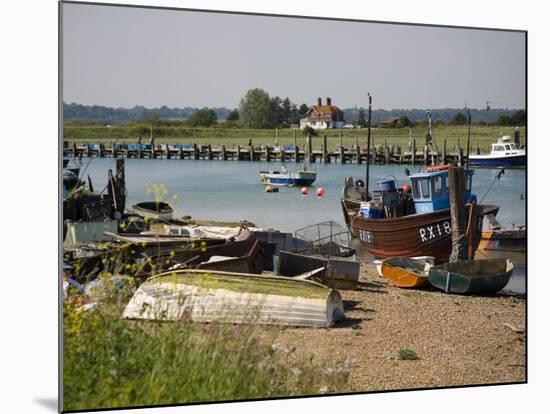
x: 235, y: 298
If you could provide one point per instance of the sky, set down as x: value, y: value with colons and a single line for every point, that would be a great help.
x: 122, y: 57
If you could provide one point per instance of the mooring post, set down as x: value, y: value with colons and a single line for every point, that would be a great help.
x: 209, y: 151
x: 113, y: 146
x: 477, y: 145
x: 223, y: 153
x: 251, y: 150
x: 309, y: 148
x: 413, y: 153
x: 296, y: 152
x: 460, y: 156
x: 196, y: 154
x: 358, y: 150
x: 267, y: 156
x: 342, y: 155
x: 458, y: 217
x: 325, y: 149
x: 444, y: 151
x: 516, y: 137
x: 386, y: 152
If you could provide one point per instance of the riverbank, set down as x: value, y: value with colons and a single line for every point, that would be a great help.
x: 458, y: 340
x: 231, y: 137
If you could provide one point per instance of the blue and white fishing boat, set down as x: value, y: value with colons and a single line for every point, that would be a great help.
x: 301, y: 178
x: 504, y: 154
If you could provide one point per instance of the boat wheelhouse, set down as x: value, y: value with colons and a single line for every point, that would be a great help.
x: 430, y: 190
x: 504, y: 153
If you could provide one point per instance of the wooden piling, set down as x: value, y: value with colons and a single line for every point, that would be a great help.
x: 458, y: 217
x: 196, y: 154
x: 223, y: 153
x: 413, y: 153
x: 113, y: 146
x: 251, y: 151
x: 325, y: 149
x: 386, y: 152
x: 309, y: 149
x: 342, y: 155
x: 296, y: 150
x: 444, y: 151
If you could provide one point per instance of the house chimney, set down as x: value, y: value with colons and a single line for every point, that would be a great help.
x: 319, y: 102
x: 328, y: 100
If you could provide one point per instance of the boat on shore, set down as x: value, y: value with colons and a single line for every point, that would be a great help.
x: 405, y: 272
x: 472, y: 276
x: 504, y: 154
x: 301, y: 178
x: 229, y: 297
x: 154, y: 209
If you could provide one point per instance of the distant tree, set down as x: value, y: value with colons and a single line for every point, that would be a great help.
x: 294, y: 115
x: 519, y: 118
x: 277, y: 112
x: 255, y: 109
x: 459, y: 119
x: 302, y: 111
x: 286, y: 112
x: 361, y: 121
x: 203, y: 117
x: 403, y: 122
x: 504, y: 120
x: 233, y: 115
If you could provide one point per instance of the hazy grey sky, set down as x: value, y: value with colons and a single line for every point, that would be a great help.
x: 118, y: 56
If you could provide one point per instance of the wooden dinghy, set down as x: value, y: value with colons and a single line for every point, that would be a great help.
x: 235, y: 298
x: 405, y: 272
x: 472, y: 276
x: 340, y: 273
x: 153, y: 209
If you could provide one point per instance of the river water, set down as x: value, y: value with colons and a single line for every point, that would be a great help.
x: 231, y: 191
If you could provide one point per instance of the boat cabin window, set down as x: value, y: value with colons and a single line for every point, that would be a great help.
x: 438, y: 185
x: 507, y: 147
x: 498, y: 148
x: 416, y: 189
x: 425, y: 184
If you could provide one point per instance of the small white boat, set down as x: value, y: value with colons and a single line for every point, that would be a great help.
x: 504, y: 154
x: 283, y: 177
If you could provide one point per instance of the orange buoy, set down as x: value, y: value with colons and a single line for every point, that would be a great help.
x: 320, y: 192
x: 435, y: 168
x: 304, y: 191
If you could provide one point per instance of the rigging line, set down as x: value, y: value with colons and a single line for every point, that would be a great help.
x: 491, y: 185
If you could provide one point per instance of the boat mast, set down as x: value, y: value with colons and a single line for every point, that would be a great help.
x: 430, y: 135
x: 368, y: 150
x: 468, y: 144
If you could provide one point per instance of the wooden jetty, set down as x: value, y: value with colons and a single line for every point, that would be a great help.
x: 380, y: 154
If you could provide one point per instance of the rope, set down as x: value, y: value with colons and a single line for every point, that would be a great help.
x: 497, y: 177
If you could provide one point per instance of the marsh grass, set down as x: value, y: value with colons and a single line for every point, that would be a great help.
x: 231, y: 137
x: 112, y: 362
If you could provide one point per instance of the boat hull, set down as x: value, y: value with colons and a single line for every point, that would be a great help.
x: 404, y: 272
x: 483, y: 277
x: 427, y: 234
x: 511, y: 161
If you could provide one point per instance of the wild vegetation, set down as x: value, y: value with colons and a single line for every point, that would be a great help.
x: 111, y: 362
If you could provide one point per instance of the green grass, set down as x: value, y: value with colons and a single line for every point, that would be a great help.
x: 232, y: 137
x: 406, y: 354
x: 109, y: 362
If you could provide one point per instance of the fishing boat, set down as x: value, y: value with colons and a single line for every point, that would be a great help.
x: 155, y: 210
x: 235, y: 298
x: 418, y: 222
x: 504, y: 154
x: 504, y: 239
x: 472, y: 276
x: 405, y: 272
x: 302, y: 178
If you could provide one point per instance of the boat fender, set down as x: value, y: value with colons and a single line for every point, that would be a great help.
x: 360, y: 183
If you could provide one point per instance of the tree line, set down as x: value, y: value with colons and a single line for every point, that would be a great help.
x: 257, y: 109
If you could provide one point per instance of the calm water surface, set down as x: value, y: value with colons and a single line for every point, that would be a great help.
x: 231, y: 191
